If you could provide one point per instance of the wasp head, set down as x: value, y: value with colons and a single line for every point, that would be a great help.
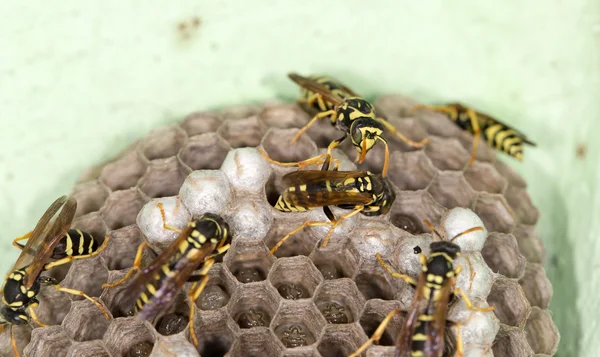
x: 365, y: 132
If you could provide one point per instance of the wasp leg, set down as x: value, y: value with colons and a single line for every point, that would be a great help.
x: 21, y: 246
x: 337, y: 222
x: 34, y: 315
x: 459, y: 343
x: 394, y: 274
x: 310, y: 100
x: 71, y: 258
x: 81, y: 293
x: 470, y: 306
x: 195, y: 292
x: 321, y: 115
x: 13, y: 342
x: 164, y: 219
x: 298, y: 229
x: 300, y: 164
x: 476, y: 135
x: 137, y: 262
x: 377, y: 334
x: 390, y: 127
x: 335, y: 144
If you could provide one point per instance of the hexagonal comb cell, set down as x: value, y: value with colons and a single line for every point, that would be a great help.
x: 494, y: 212
x: 446, y: 154
x: 122, y: 248
x: 90, y: 197
x: 530, y: 244
x: 298, y: 324
x: 295, y: 278
x: 502, y: 255
x: 284, y: 116
x: 339, y: 301
x: 22, y: 338
x: 163, y: 178
x: 374, y: 312
x: 256, y: 343
x: 508, y: 299
x: 175, y: 318
x: 218, y: 290
x: 88, y: 349
x: 510, y: 174
x: 214, y: 335
x: 248, y: 261
x: 122, y: 207
x: 86, y: 275
x: 163, y: 143
x: 340, y: 340
x: 277, y: 144
x: 411, y: 170
x: 201, y: 122
x: 140, y: 349
x: 520, y: 202
x: 542, y: 335
x: 242, y: 132
x: 537, y: 286
x: 204, y: 152
x: 52, y: 340
x: 394, y: 105
x: 54, y: 306
x: 127, y: 335
x: 85, y: 322
x: 301, y: 243
x: 411, y: 208
x: 373, y: 282
x: 511, y: 342
x: 123, y: 173
x: 253, y: 305
x: 482, y: 176
x: 335, y: 263
x: 451, y: 189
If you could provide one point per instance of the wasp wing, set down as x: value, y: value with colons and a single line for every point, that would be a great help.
x: 44, y: 238
x: 404, y: 340
x: 437, y: 328
x: 316, y: 87
x: 306, y: 177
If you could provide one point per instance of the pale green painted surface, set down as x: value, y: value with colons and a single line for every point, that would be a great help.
x: 80, y: 80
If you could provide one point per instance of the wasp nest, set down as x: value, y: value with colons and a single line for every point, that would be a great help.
x: 305, y: 300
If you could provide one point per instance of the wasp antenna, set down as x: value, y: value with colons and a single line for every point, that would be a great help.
x: 470, y: 230
x: 428, y: 224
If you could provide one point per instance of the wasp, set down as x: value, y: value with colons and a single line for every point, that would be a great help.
x: 195, y: 248
x: 422, y: 333
x: 361, y: 191
x: 349, y: 113
x: 49, y: 239
x: 497, y: 134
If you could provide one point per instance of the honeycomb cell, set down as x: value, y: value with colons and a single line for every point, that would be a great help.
x: 536, y: 286
x: 476, y: 278
x: 542, y: 334
x: 374, y: 236
x: 163, y: 178
x: 483, y: 176
x: 86, y: 275
x: 93, y: 224
x: 251, y: 219
x: 446, y: 154
x: 85, y: 322
x: 140, y: 349
x: 125, y: 334
x: 205, y: 191
x: 54, y: 306
x: 204, y: 152
x: 238, y: 112
x: 175, y: 345
x: 239, y: 133
x: 495, y: 213
x: 404, y: 255
x: 246, y: 169
x: 124, y: 173
x: 88, y: 349
x: 511, y: 342
x: 22, y: 338
x: 374, y: 282
x: 248, y: 261
x: 215, y: 337
x: 277, y: 144
x: 258, y: 342
x: 298, y: 324
x: 172, y: 323
x: 201, y: 122
x: 51, y: 340
x: 253, y: 305
x: 459, y: 220
x: 90, y: 197
x: 511, y: 305
x: 122, y: 207
x: 418, y: 205
x: 163, y: 143
x: 411, y: 128
x: 220, y: 286
x: 411, y: 170
x: 339, y: 301
x: 122, y: 248
x: 301, y: 243
x: 450, y: 189
x: 284, y: 116
x: 151, y: 224
x: 374, y: 312
x: 117, y: 299
x: 476, y: 327
x: 502, y: 255
x: 530, y: 244
x: 334, y: 263
x: 520, y: 202
x: 340, y: 340
x: 295, y: 278
x: 406, y: 223
x: 395, y: 105
x: 309, y: 351
x: 510, y: 174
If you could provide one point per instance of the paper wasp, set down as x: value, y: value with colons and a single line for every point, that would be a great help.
x: 48, y: 240
x: 349, y: 113
x: 497, y: 134
x: 361, y: 191
x: 422, y: 333
x: 196, y: 248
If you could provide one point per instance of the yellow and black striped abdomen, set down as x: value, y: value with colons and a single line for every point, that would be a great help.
x: 74, y: 243
x: 503, y: 138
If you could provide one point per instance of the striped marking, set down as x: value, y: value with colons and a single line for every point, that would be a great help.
x: 81, y: 240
